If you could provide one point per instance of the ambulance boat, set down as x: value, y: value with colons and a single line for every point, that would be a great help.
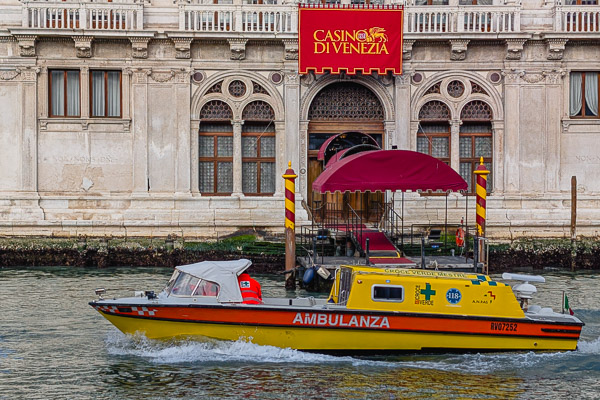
x: 370, y: 311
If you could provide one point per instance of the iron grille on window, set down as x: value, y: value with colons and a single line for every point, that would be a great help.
x: 259, y: 111
x: 345, y: 101
x: 216, y: 88
x: 475, y: 88
x: 476, y: 110
x: 258, y: 89
x: 237, y: 88
x: 434, y: 89
x: 434, y: 110
x: 456, y: 89
x: 215, y: 158
x: 216, y: 109
x: 258, y: 158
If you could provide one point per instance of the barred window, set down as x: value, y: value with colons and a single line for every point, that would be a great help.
x: 258, y: 158
x: 215, y: 151
x: 475, y: 142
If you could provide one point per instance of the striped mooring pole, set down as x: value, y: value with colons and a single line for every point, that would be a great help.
x: 290, y: 224
x: 481, y: 191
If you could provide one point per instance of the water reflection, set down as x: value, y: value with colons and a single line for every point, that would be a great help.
x: 53, y: 345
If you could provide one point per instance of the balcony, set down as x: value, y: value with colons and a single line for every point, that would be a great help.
x: 107, y: 16
x: 462, y: 19
x: 261, y: 18
x: 577, y: 19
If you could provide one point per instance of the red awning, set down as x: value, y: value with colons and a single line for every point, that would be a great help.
x: 395, y: 170
x: 344, y: 140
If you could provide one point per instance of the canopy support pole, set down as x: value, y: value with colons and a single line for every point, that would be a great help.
x: 402, y: 218
x: 446, y: 224
x: 466, y: 226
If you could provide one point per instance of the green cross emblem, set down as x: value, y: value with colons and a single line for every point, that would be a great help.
x: 427, y: 292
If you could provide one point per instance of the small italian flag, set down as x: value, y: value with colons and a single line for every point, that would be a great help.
x: 567, y: 307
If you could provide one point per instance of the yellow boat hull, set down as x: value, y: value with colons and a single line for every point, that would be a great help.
x: 337, y: 340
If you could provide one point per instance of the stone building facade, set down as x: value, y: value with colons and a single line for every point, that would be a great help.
x: 159, y: 117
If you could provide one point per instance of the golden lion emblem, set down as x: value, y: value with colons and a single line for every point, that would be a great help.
x: 377, y: 34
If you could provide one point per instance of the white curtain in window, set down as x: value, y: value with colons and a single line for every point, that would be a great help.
x: 98, y: 95
x: 114, y: 94
x: 591, y: 92
x: 575, y: 94
x: 73, y: 93
x: 58, y: 93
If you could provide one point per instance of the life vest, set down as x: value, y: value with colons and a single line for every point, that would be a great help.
x: 250, y: 288
x: 460, y: 237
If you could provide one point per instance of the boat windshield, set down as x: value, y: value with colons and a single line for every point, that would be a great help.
x: 188, y: 285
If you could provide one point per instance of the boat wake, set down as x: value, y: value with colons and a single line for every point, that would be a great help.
x: 241, y: 351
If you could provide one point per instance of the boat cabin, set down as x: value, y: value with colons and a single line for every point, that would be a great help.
x: 423, y: 291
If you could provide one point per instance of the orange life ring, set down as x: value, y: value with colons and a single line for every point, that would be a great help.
x: 460, y: 237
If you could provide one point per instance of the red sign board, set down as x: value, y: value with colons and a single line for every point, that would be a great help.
x: 351, y: 39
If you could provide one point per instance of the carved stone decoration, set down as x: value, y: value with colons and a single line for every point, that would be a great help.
x: 238, y: 48
x: 44, y: 125
x: 291, y: 78
x: 26, y: 45
x: 533, y: 78
x: 407, y: 46
x: 291, y: 49
x: 556, y: 47
x: 554, y: 77
x: 162, y: 76
x: 9, y: 75
x: 126, y: 126
x: 30, y: 74
x: 458, y: 49
x: 139, y: 47
x: 512, y: 76
x: 403, y: 79
x: 514, y: 48
x: 182, y: 46
x: 308, y: 79
x: 83, y: 45
x: 140, y: 76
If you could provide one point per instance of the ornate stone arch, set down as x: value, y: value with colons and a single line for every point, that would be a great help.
x: 369, y: 82
x: 424, y: 100
x: 494, y: 99
x: 272, y: 96
x: 483, y: 99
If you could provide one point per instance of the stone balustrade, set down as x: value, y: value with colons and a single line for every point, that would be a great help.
x: 462, y: 19
x: 238, y: 18
x: 577, y: 19
x: 116, y: 15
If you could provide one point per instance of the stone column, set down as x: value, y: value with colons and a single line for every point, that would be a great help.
x: 85, y: 91
x: 139, y: 113
x: 29, y: 158
x: 183, y: 140
x: 498, y: 156
x: 280, y: 160
x: 553, y: 129
x: 412, y: 137
x: 237, y: 157
x: 194, y: 156
x: 402, y: 110
x: 511, y: 129
x: 126, y: 82
x: 455, y: 144
x: 43, y: 93
x: 291, y: 98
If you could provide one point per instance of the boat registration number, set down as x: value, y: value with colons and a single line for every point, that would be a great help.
x: 504, y: 326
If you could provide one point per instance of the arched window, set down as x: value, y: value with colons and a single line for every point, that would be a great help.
x: 433, y: 135
x: 215, y: 149
x: 475, y: 141
x: 258, y: 149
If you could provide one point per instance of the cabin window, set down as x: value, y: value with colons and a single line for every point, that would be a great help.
x: 388, y: 293
x: 206, y: 288
x: 184, y: 285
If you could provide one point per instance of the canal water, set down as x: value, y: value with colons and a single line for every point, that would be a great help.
x: 53, y: 345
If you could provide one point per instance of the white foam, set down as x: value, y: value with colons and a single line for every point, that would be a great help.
x: 591, y: 347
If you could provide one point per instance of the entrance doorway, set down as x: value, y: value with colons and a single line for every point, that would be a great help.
x: 343, y: 107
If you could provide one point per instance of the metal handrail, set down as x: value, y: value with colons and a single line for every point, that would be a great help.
x: 354, y: 224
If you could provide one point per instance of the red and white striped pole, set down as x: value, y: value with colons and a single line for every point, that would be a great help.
x: 481, y: 191
x: 290, y: 223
